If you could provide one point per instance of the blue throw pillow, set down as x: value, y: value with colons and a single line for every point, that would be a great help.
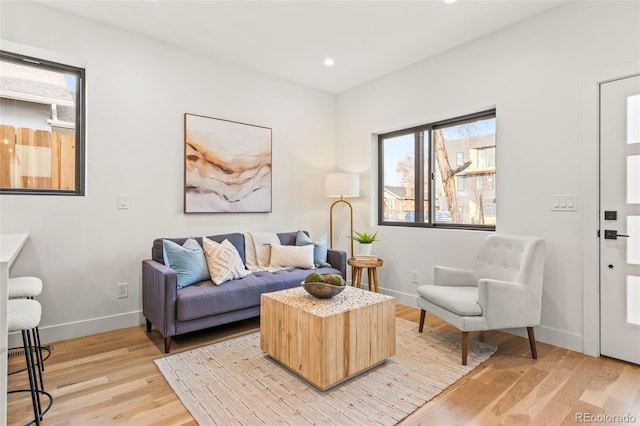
x: 319, y: 248
x: 187, y: 260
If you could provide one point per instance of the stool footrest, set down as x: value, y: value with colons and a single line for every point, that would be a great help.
x: 41, y: 392
x: 36, y: 364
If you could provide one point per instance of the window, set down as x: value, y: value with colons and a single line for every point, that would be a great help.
x: 41, y: 126
x: 419, y: 185
x: 399, y: 195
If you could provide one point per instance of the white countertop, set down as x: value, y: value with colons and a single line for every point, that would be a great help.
x: 10, y: 247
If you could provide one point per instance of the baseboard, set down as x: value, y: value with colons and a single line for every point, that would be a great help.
x: 552, y: 336
x: 71, y: 330
x: 401, y: 298
x: 543, y: 334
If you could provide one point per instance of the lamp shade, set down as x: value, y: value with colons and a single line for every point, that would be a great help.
x: 342, y: 185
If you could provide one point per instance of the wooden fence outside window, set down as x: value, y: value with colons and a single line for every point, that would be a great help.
x: 37, y: 159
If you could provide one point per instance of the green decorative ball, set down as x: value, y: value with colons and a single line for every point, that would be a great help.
x: 334, y: 279
x: 314, y: 277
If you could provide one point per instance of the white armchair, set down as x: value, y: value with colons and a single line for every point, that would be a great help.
x: 503, y: 290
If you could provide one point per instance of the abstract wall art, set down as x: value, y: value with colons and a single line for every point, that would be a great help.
x: 227, y: 166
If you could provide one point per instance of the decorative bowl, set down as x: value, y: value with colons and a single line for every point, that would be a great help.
x: 322, y: 290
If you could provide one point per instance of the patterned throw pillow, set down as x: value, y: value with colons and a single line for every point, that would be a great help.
x: 187, y: 260
x: 292, y: 256
x: 223, y: 260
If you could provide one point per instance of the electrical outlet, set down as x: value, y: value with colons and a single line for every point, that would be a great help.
x: 415, y: 277
x: 123, y: 290
x: 123, y: 201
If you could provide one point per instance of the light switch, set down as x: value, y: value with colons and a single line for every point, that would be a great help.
x: 123, y: 201
x: 566, y: 203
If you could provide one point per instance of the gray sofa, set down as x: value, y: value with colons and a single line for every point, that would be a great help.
x: 176, y: 311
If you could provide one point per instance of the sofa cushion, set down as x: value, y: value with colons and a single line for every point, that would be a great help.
x: 461, y: 300
x: 237, y: 239
x: 296, y: 276
x: 205, y: 299
x: 223, y: 261
x: 288, y: 238
x: 187, y: 260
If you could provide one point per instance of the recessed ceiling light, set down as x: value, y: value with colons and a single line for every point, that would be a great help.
x: 450, y: 1
x: 329, y: 62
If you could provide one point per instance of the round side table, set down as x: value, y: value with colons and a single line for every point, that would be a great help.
x: 372, y: 273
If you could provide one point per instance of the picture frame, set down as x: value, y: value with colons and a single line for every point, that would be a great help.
x: 227, y: 166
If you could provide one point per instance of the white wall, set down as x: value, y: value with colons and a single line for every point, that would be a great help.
x: 538, y: 74
x: 137, y: 93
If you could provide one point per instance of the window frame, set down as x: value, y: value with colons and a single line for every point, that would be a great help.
x: 80, y: 117
x: 419, y: 185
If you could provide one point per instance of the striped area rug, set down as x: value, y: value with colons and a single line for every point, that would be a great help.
x: 235, y: 383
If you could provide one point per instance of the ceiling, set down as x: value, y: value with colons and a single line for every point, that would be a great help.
x: 291, y: 39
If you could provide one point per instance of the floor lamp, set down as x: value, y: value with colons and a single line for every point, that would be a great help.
x: 341, y: 185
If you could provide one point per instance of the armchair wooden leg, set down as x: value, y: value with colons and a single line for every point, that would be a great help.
x: 465, y: 340
x: 422, y: 315
x: 148, y: 326
x: 167, y: 345
x: 532, y: 343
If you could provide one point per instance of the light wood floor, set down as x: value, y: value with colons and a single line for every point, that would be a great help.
x: 110, y: 378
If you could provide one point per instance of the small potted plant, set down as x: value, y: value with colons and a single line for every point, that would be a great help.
x: 366, y: 240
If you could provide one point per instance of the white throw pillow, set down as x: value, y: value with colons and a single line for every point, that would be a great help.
x: 292, y: 256
x: 223, y: 261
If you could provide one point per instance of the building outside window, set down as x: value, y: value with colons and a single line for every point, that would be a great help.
x: 490, y: 182
x: 428, y: 189
x: 490, y: 210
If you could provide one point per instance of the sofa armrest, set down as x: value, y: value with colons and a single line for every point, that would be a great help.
x: 338, y: 259
x: 444, y: 275
x: 159, y: 294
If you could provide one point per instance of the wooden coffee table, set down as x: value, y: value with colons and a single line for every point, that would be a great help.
x: 327, y: 341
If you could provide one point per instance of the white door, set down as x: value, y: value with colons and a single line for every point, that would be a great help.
x: 620, y: 219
